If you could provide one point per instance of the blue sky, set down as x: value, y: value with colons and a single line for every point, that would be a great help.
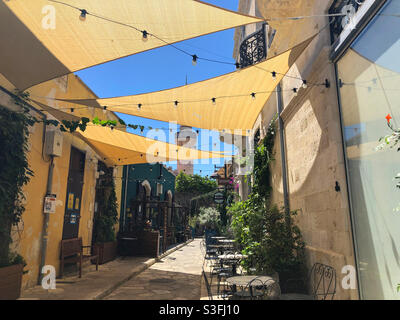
x: 165, y: 68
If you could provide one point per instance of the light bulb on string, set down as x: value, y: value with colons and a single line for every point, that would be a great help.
x: 144, y: 36
x: 295, y: 91
x: 176, y: 104
x: 304, y: 85
x: 273, y: 75
x: 104, y: 109
x: 253, y: 95
x: 139, y: 106
x: 214, y: 101
x: 83, y: 14
x: 194, y: 60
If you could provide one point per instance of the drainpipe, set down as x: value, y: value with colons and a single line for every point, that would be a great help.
x: 45, y: 229
x: 283, y: 151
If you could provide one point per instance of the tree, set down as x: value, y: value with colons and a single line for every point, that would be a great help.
x: 194, y: 183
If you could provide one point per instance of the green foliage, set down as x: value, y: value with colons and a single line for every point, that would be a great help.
x: 264, y: 235
x: 194, y: 183
x: 263, y: 232
x: 209, y: 218
x: 14, y: 173
x: 107, y: 211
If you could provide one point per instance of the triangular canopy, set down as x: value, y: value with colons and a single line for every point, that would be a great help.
x: 235, y: 107
x: 35, y: 48
x: 122, y: 148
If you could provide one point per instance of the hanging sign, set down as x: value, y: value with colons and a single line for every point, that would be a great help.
x: 219, y: 198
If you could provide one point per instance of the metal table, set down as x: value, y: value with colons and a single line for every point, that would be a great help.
x: 232, y: 259
x: 242, y: 281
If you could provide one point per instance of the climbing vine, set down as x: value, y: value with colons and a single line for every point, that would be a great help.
x: 14, y: 174
x: 264, y: 233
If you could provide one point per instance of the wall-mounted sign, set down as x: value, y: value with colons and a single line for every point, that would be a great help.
x: 219, y: 197
x: 73, y: 218
x: 70, y: 201
x: 50, y: 203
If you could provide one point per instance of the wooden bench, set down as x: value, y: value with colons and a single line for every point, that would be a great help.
x: 72, y: 252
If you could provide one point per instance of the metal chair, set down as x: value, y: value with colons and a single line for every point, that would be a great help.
x: 321, y: 282
x: 208, y: 286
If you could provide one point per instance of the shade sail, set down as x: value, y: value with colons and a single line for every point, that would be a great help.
x: 234, y: 107
x: 290, y: 32
x: 121, y: 148
x: 34, y: 50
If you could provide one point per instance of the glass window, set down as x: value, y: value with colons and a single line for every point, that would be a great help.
x: 370, y: 75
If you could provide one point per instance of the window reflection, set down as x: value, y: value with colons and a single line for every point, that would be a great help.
x: 370, y: 77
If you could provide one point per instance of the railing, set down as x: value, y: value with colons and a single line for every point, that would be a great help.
x: 348, y: 7
x: 253, y: 48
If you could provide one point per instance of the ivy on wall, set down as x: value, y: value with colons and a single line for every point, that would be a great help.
x: 14, y: 174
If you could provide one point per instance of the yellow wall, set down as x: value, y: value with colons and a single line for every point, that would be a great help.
x: 28, y: 235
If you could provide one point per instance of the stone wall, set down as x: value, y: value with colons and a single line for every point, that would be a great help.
x: 314, y: 163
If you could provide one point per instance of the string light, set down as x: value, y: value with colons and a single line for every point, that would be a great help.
x: 295, y: 91
x: 144, y: 36
x: 253, y: 95
x: 273, y: 75
x: 194, y: 60
x: 104, y: 109
x: 139, y: 106
x: 176, y: 104
x: 304, y: 85
x: 83, y: 14
x: 214, y: 101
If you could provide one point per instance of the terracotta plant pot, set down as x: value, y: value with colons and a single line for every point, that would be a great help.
x: 10, y: 282
x: 107, y: 251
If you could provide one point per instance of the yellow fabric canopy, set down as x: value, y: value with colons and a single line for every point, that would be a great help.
x: 36, y: 48
x: 234, y: 107
x: 290, y: 32
x: 121, y: 148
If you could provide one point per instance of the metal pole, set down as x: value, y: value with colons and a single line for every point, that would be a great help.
x: 45, y: 230
x: 283, y: 151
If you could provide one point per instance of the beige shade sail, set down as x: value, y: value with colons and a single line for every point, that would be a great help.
x: 290, y: 32
x: 121, y: 148
x: 43, y: 39
x: 234, y: 110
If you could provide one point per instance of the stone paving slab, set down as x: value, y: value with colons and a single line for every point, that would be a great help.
x: 95, y: 284
x: 175, y: 277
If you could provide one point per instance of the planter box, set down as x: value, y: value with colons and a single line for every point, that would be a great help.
x: 107, y: 251
x: 10, y: 282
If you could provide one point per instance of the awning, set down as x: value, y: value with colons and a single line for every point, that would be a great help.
x: 121, y: 148
x: 229, y: 102
x: 33, y: 49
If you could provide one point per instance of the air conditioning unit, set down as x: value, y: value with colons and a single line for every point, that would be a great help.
x: 53, y: 143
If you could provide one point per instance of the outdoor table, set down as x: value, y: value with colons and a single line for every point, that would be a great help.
x: 243, y: 281
x: 220, y: 247
x: 226, y: 241
x: 232, y: 259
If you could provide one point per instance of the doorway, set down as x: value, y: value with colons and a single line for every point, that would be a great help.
x: 74, y: 194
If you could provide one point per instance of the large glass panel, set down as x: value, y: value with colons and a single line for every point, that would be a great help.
x: 370, y: 73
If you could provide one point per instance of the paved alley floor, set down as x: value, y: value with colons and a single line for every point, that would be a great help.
x: 132, y: 278
x: 175, y: 277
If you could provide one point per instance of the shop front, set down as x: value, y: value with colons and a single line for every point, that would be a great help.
x: 368, y: 74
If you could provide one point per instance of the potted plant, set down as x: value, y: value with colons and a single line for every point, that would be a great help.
x: 14, y: 174
x: 104, y: 238
x: 11, y: 277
